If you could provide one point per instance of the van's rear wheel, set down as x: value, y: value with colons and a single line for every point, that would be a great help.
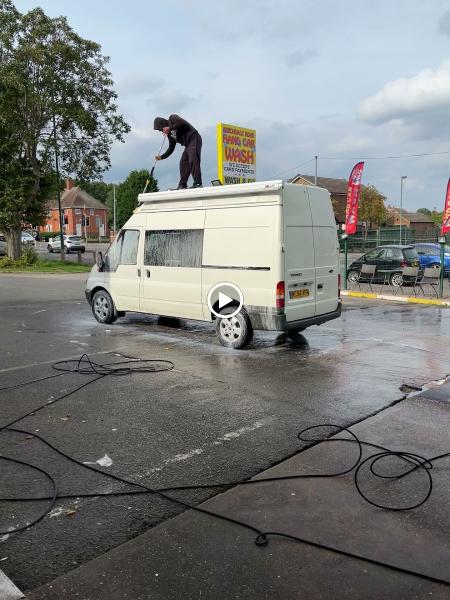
x: 103, y: 307
x: 234, y: 332
x: 294, y: 334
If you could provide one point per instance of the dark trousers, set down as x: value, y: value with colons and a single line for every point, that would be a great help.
x: 190, y: 161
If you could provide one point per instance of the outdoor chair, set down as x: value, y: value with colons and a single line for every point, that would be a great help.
x: 410, y: 277
x: 367, y: 275
x: 430, y: 277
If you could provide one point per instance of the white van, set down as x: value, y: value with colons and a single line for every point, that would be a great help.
x: 275, y: 241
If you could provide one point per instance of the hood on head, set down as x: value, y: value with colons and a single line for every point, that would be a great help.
x: 159, y: 123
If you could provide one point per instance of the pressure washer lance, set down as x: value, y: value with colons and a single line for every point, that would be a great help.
x: 154, y: 165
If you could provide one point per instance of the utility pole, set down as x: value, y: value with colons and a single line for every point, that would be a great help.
x: 315, y: 172
x: 61, y: 217
x: 401, y: 204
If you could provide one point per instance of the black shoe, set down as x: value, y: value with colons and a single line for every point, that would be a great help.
x: 182, y: 187
x: 196, y: 185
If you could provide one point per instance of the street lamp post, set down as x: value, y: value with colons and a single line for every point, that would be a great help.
x: 58, y: 193
x: 401, y: 204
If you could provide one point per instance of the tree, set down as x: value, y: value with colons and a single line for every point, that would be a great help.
x: 127, y: 193
x: 49, y: 75
x: 371, y: 206
x: 98, y: 189
x: 424, y: 211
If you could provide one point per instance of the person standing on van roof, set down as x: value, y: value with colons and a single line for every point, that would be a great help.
x: 178, y: 130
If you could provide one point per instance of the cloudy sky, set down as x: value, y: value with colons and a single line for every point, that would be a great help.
x: 337, y: 79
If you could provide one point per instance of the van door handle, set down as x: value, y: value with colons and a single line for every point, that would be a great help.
x: 320, y: 286
x: 147, y: 272
x: 139, y: 272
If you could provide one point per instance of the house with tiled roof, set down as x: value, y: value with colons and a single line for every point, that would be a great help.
x: 336, y: 187
x: 412, y: 220
x: 84, y: 215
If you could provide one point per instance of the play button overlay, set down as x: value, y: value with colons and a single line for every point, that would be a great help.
x: 223, y: 295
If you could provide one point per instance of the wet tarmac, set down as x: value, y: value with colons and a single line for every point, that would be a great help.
x: 219, y: 415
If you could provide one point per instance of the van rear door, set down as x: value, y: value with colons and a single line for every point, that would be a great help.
x: 300, y: 301
x: 326, y: 256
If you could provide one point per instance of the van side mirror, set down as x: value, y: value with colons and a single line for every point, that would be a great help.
x: 99, y: 261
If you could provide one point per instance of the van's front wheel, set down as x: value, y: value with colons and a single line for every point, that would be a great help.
x: 103, y: 307
x: 234, y: 332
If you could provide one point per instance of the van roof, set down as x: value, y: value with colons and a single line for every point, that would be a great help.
x: 239, y: 189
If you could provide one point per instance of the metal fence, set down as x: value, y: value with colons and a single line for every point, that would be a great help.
x: 363, y: 241
x: 383, y: 281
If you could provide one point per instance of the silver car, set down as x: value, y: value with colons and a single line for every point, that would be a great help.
x: 3, y: 245
x: 28, y: 239
x: 72, y: 243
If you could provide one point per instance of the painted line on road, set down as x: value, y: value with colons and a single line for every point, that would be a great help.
x: 8, y: 591
x: 410, y: 299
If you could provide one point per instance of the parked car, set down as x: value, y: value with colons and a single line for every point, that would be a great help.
x: 430, y: 256
x: 3, y: 245
x: 72, y: 243
x: 389, y: 260
x: 28, y: 239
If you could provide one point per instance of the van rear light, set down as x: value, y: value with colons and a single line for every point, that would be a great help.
x: 280, y: 295
x: 403, y: 263
x: 339, y: 285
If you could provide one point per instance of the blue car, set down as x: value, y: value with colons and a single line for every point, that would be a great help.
x: 430, y: 256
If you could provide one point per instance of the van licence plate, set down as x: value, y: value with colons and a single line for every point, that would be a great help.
x: 415, y: 263
x: 299, y: 293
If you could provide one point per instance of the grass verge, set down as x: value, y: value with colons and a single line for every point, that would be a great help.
x: 48, y: 266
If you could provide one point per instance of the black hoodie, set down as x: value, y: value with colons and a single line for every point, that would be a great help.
x: 180, y: 131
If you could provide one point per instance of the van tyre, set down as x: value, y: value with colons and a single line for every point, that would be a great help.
x: 234, y: 332
x: 294, y: 334
x: 103, y: 307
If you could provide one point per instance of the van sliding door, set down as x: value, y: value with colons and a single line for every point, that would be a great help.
x: 171, y: 277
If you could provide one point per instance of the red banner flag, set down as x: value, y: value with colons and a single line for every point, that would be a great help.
x: 446, y: 215
x: 354, y: 187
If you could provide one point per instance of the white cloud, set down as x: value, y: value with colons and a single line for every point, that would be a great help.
x: 427, y: 91
x: 351, y: 143
x: 294, y: 59
x: 160, y: 99
x: 138, y: 85
x: 444, y: 23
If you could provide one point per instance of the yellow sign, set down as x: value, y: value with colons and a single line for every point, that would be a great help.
x: 236, y: 154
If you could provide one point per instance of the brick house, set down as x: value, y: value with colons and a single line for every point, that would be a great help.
x: 411, y: 220
x: 337, y: 189
x: 83, y: 214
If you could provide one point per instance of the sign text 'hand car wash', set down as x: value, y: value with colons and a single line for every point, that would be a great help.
x: 236, y: 154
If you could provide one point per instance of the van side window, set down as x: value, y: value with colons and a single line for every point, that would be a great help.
x: 123, y: 251
x: 174, y: 248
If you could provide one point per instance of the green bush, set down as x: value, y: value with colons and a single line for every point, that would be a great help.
x: 28, y: 258
x: 6, y: 263
x: 44, y: 236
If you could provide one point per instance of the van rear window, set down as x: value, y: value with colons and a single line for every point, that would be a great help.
x: 174, y: 248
